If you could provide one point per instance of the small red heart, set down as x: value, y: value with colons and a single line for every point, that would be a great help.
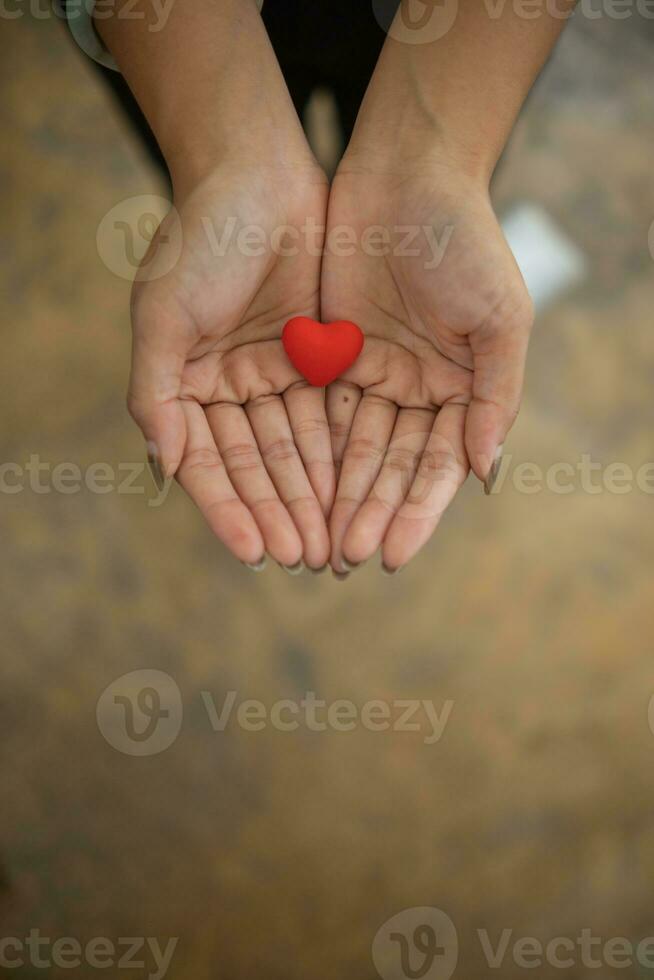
x: 321, y: 352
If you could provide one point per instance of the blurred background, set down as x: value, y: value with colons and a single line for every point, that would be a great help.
x: 526, y: 623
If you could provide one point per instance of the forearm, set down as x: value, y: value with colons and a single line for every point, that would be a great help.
x: 457, y: 97
x: 209, y: 84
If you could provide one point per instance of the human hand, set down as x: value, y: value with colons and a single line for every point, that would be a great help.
x: 211, y: 388
x: 437, y: 385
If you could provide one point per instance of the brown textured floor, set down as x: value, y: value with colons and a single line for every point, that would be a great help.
x: 279, y: 855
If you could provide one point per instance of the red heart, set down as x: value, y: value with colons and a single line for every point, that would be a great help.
x: 321, y: 352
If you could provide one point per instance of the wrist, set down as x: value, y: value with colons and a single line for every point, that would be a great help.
x: 418, y: 154
x: 412, y: 116
x: 229, y: 126
x: 209, y: 85
x: 288, y: 176
x: 413, y: 142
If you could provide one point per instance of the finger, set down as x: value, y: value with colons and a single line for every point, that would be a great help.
x: 499, y: 355
x: 394, y: 482
x: 274, y: 437
x: 341, y: 402
x: 396, y: 371
x: 202, y: 474
x: 307, y: 415
x: 159, y: 350
x: 238, y: 448
x: 362, y: 459
x: 239, y: 375
x: 442, y: 470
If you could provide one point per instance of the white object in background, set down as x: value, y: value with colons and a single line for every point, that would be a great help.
x: 549, y: 261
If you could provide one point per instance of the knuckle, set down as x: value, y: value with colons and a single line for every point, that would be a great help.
x: 364, y: 449
x: 438, y: 464
x: 202, y: 459
x: 423, y: 418
x: 261, y: 401
x: 311, y: 427
x: 307, y: 505
x: 400, y: 459
x: 280, y: 451
x: 241, y: 456
x: 338, y: 430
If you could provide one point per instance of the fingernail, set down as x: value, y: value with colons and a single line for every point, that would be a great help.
x: 490, y: 480
x: 318, y: 571
x: 390, y: 571
x: 155, y: 466
x: 296, y: 569
x: 350, y: 566
x: 258, y: 567
x: 340, y: 576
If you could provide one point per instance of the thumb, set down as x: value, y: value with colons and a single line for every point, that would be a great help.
x: 499, y: 355
x: 159, y: 354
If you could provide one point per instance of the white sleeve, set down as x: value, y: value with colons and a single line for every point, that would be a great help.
x: 79, y: 15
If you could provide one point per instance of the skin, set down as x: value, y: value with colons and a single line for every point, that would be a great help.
x: 211, y: 387
x: 399, y: 415
x: 438, y: 383
x: 251, y: 435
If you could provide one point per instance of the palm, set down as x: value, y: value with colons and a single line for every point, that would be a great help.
x: 401, y: 440
x: 251, y: 437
